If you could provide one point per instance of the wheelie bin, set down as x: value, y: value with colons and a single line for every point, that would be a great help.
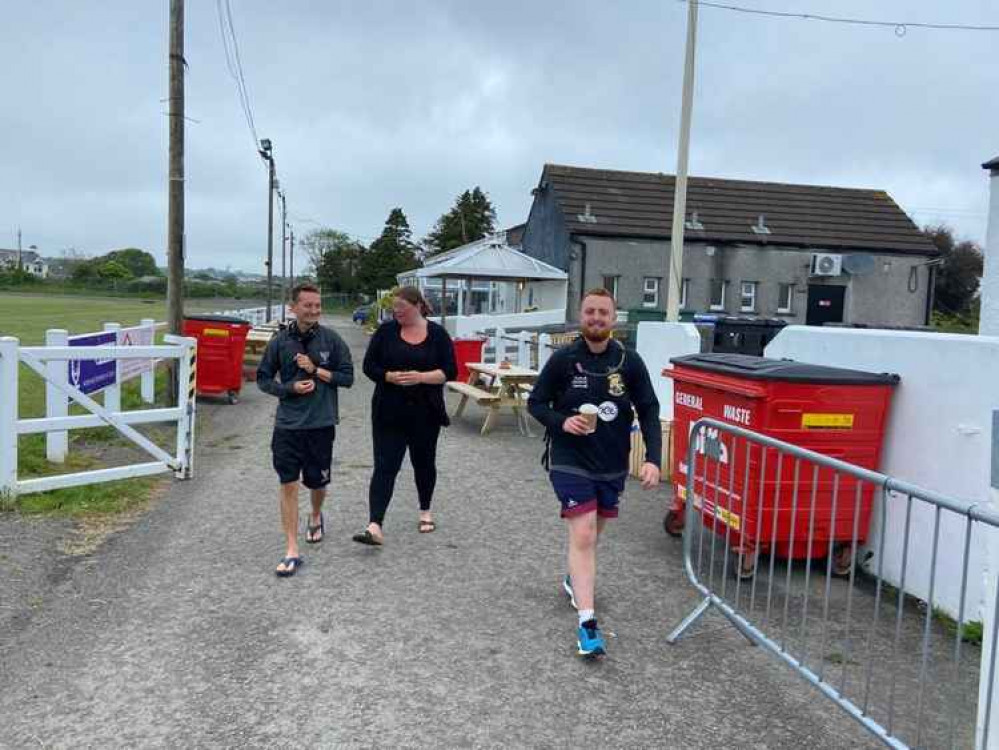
x: 221, y: 346
x: 467, y: 350
x: 837, y: 412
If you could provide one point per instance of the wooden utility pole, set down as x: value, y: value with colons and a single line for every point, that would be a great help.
x: 175, y: 190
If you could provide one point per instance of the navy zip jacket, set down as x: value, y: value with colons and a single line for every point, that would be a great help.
x: 617, y: 382
x: 327, y: 351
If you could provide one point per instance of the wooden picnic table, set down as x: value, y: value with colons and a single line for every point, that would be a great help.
x: 504, y: 387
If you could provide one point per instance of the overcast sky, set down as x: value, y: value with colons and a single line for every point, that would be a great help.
x: 372, y: 105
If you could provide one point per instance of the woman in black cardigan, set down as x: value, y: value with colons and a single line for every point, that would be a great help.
x: 409, y: 358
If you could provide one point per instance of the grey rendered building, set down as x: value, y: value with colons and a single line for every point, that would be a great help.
x: 803, y: 253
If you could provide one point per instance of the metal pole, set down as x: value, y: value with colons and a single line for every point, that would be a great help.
x: 175, y: 206
x: 284, y: 240
x: 291, y: 262
x: 675, y: 270
x: 270, y: 232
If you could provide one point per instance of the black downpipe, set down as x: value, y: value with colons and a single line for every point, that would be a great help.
x: 582, y: 269
x: 930, y: 293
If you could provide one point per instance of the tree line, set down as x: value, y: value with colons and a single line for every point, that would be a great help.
x: 344, y: 265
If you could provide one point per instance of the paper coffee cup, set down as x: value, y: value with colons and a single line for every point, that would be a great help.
x: 590, y: 412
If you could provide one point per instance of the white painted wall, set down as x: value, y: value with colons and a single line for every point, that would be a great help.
x: 656, y: 344
x: 938, y: 437
x: 988, y: 324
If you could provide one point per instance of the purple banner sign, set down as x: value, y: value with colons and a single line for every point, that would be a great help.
x: 92, y: 375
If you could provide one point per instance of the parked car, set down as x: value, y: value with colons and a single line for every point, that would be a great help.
x: 361, y: 314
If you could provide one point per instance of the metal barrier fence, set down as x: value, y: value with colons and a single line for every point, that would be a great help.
x: 772, y: 540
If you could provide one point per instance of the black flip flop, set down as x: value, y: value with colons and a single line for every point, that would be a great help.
x: 426, y: 527
x: 366, y: 537
x: 291, y: 566
x: 310, y: 531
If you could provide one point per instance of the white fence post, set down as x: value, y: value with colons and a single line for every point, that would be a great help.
x: 524, y: 349
x: 499, y: 345
x: 544, y: 349
x: 8, y: 416
x: 112, y: 394
x: 147, y: 380
x: 187, y: 377
x: 56, y: 402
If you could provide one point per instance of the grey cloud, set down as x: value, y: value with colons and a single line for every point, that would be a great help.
x: 374, y: 105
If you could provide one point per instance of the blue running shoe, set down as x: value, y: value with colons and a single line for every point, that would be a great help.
x: 567, y: 588
x: 589, y: 640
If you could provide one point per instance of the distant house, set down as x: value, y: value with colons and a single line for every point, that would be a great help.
x: 31, y: 262
x: 804, y: 253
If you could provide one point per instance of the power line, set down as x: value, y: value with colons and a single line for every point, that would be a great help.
x: 900, y: 27
x: 230, y: 45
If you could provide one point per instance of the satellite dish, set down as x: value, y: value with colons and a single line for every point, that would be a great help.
x: 858, y: 264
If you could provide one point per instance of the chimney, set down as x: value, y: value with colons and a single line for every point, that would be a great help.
x: 988, y: 322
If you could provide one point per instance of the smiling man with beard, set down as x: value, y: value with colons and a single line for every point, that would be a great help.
x: 588, y: 466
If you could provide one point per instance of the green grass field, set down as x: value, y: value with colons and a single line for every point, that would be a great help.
x: 27, y: 317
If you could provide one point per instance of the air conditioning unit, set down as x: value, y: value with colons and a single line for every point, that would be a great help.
x: 826, y: 264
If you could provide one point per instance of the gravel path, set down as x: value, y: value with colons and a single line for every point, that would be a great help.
x: 176, y: 633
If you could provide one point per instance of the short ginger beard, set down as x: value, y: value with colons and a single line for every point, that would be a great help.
x: 596, y: 335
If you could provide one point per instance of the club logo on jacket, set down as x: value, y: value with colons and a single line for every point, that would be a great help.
x: 580, y: 381
x: 608, y: 411
x: 324, y: 358
x: 615, y: 384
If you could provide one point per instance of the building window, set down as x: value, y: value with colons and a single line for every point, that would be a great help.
x: 684, y: 289
x: 650, y: 292
x: 785, y: 294
x: 610, y: 284
x: 718, y: 288
x: 747, y: 299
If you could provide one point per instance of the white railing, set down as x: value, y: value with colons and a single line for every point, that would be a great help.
x: 258, y: 315
x: 45, y: 359
x: 525, y: 349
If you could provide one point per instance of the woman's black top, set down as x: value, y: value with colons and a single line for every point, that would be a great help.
x: 388, y: 352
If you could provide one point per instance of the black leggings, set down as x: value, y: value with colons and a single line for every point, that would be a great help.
x: 390, y: 443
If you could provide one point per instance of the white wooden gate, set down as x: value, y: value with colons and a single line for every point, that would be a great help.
x: 36, y: 358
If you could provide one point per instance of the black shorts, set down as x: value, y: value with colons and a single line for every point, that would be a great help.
x: 303, y: 454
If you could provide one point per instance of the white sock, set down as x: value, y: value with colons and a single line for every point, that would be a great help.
x: 585, y: 615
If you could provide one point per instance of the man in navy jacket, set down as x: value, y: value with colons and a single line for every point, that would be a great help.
x: 587, y: 462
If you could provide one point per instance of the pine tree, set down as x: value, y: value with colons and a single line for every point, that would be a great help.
x: 392, y: 253
x: 471, y: 218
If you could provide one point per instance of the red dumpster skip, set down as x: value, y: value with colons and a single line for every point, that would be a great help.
x: 837, y: 412
x: 221, y: 345
x: 467, y: 350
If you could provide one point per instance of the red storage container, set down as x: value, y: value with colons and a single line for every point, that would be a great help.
x: 837, y: 412
x: 467, y: 350
x: 221, y: 345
